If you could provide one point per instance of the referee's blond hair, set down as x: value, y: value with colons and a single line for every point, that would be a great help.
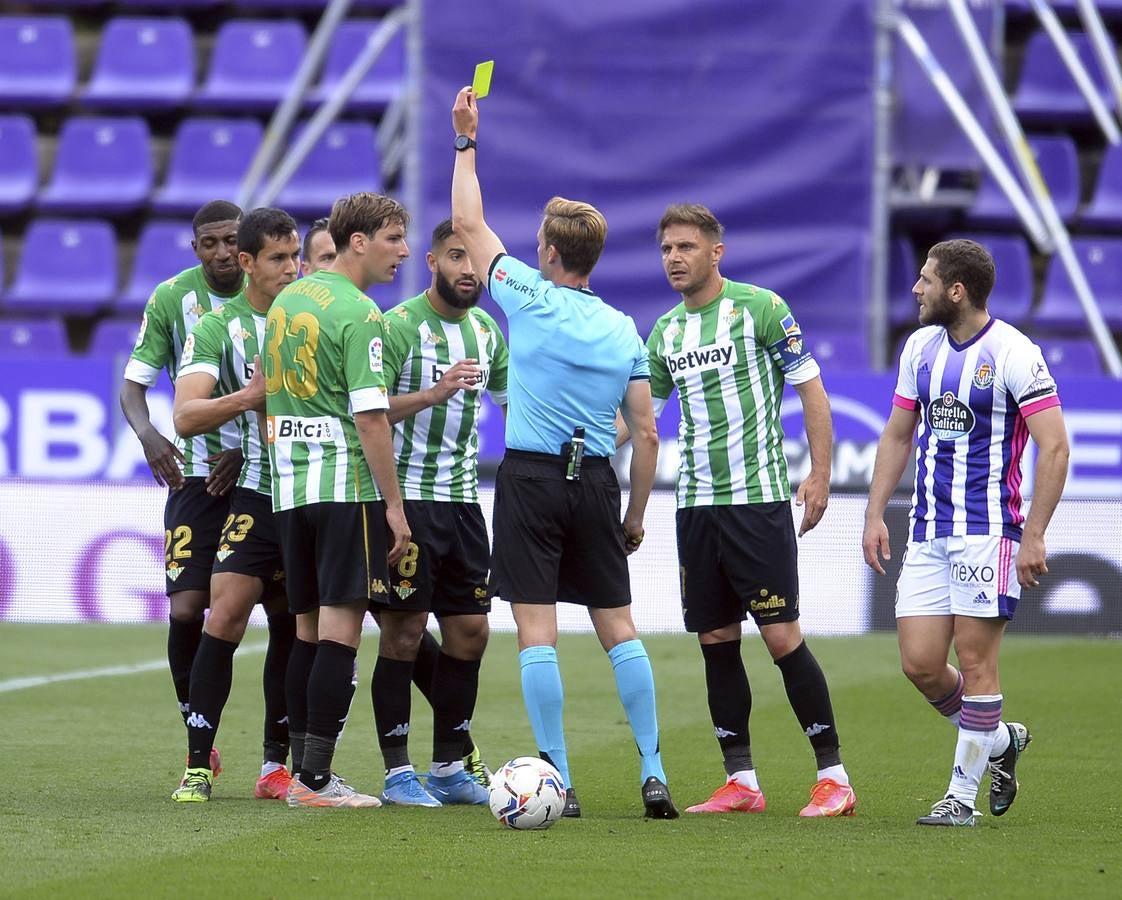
x: 577, y: 230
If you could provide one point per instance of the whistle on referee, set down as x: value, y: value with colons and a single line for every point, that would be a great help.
x: 575, y: 453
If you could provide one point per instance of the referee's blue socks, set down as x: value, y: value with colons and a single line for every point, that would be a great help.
x: 635, y: 684
x: 545, y: 699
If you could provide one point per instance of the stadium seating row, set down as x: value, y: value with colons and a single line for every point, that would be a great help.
x: 837, y: 351
x: 1012, y: 296
x: 148, y: 63
x: 104, y: 166
x: 1045, y: 95
x: 70, y: 266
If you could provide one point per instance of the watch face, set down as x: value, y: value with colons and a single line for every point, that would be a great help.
x: 463, y: 142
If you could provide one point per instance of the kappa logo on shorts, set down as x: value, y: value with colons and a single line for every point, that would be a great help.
x: 377, y: 586
x: 481, y: 594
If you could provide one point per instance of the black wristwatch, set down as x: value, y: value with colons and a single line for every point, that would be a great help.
x: 463, y: 142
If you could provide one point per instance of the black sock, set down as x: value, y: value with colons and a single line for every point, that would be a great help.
x: 810, y: 699
x: 296, y: 694
x: 330, y: 689
x: 455, y: 687
x: 211, y: 677
x: 424, y: 666
x: 183, y: 643
x: 390, y: 694
x: 730, y: 702
x: 282, y: 633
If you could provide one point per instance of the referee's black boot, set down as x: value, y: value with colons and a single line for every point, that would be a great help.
x: 656, y: 799
x: 572, y: 805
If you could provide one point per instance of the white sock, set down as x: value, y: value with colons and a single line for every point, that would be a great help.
x: 1001, y: 740
x: 270, y: 767
x: 398, y: 770
x: 972, y: 753
x: 443, y: 770
x: 836, y: 773
x: 747, y: 778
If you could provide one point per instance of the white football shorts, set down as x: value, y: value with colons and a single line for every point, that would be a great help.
x: 973, y: 575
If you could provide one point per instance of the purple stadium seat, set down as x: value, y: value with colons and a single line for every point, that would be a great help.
x: 253, y: 64
x: 162, y: 250
x: 103, y: 165
x: 68, y: 266
x: 38, y: 65
x: 344, y: 160
x: 143, y: 63
x: 1047, y: 92
x: 209, y: 158
x: 32, y: 337
x: 1099, y: 258
x: 1071, y: 356
x: 924, y: 132
x: 839, y: 350
x: 114, y: 337
x: 1059, y: 167
x: 19, y: 167
x: 1105, y: 209
x: 383, y: 80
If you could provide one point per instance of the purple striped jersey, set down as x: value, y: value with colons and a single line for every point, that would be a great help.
x: 973, y: 400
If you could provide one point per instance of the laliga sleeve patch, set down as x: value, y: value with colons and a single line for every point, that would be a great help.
x: 376, y: 355
x: 188, y: 355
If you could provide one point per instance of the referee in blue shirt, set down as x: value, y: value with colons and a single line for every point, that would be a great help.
x: 574, y: 363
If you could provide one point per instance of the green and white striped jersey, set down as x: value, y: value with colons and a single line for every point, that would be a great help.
x: 223, y: 345
x: 323, y: 363
x: 171, y: 312
x: 438, y: 448
x: 729, y: 360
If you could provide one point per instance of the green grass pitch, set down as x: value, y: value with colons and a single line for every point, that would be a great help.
x: 89, y: 766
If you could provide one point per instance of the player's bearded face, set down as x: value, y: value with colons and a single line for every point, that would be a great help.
x: 935, y: 304
x: 456, y: 282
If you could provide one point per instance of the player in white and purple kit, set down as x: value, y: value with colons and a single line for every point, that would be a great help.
x: 978, y: 389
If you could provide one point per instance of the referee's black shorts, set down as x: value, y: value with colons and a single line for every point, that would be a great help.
x: 558, y: 540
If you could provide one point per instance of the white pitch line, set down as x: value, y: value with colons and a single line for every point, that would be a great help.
x: 152, y: 665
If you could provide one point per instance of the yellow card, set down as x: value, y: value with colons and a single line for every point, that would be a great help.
x: 481, y: 82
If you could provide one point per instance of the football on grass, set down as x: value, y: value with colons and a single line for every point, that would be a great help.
x: 527, y: 793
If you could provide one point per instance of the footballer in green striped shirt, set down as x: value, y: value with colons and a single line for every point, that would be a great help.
x: 441, y: 353
x: 200, y: 472
x: 220, y: 381
x: 728, y: 349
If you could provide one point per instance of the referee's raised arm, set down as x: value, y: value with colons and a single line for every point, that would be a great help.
x: 481, y: 243
x: 558, y: 534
